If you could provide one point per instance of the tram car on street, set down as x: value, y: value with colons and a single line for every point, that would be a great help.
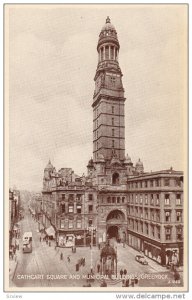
x: 27, y: 242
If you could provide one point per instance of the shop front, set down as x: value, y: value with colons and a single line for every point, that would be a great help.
x: 76, y: 238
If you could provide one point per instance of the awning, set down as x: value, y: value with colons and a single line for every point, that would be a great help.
x: 50, y: 231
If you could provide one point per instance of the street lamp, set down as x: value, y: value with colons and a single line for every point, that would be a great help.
x: 91, y: 229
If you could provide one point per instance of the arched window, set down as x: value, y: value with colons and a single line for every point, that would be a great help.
x: 115, y: 178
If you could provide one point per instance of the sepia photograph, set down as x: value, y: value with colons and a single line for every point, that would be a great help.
x: 96, y: 137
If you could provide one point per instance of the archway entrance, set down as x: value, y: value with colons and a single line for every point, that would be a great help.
x: 116, y: 225
x: 113, y: 232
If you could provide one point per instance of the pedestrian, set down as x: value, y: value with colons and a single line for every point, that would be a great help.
x: 103, y: 283
x: 125, y: 272
x: 61, y: 256
x: 132, y: 282
x: 46, y: 241
x: 98, y: 268
x: 127, y: 283
x: 83, y: 261
x: 68, y: 258
x: 136, y: 279
x: 121, y: 273
x: 176, y: 275
x: 99, y: 246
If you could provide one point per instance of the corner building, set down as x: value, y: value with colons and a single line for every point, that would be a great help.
x: 111, y: 199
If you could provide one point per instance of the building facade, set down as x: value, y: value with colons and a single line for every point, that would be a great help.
x: 116, y: 198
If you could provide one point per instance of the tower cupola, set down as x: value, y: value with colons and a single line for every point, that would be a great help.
x: 108, y: 44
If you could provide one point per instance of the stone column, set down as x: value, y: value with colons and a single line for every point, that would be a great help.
x: 117, y: 54
x: 103, y: 52
x: 109, y: 52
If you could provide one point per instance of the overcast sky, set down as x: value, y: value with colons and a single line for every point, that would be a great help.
x: 53, y: 59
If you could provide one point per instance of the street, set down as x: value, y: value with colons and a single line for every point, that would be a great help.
x: 43, y: 267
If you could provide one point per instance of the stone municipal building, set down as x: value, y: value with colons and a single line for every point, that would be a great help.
x: 116, y: 198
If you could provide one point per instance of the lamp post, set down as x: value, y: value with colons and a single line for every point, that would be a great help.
x: 91, y: 229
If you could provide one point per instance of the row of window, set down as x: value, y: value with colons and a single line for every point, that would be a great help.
x: 70, y: 224
x: 108, y: 52
x: 155, y: 216
x: 112, y: 122
x: 97, y: 133
x: 152, y: 199
x: 154, y: 183
x: 154, y: 231
x: 77, y: 197
x: 112, y: 107
x: 144, y: 214
x: 70, y: 208
x: 113, y: 200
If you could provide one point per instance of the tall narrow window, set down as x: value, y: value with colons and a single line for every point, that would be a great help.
x: 152, y: 199
x: 167, y: 216
x: 167, y: 233
x: 113, y: 121
x: 112, y: 109
x: 70, y: 224
x: 179, y: 233
x: 62, y: 224
x: 71, y: 208
x: 112, y: 52
x: 113, y: 132
x: 178, y: 218
x: 157, y: 199
x: 113, y: 143
x: 79, y: 223
x: 178, y: 199
x: 107, y: 52
x: 167, y: 200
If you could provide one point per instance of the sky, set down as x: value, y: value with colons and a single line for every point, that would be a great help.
x: 52, y: 63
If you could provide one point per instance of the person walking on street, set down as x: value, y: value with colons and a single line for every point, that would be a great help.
x: 125, y: 272
x: 127, y: 283
x: 83, y: 261
x: 61, y: 256
x: 121, y: 273
x: 68, y: 258
x: 98, y: 268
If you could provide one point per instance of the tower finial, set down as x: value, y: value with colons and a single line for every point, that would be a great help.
x: 108, y: 20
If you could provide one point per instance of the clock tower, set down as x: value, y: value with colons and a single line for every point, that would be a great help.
x: 108, y: 99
